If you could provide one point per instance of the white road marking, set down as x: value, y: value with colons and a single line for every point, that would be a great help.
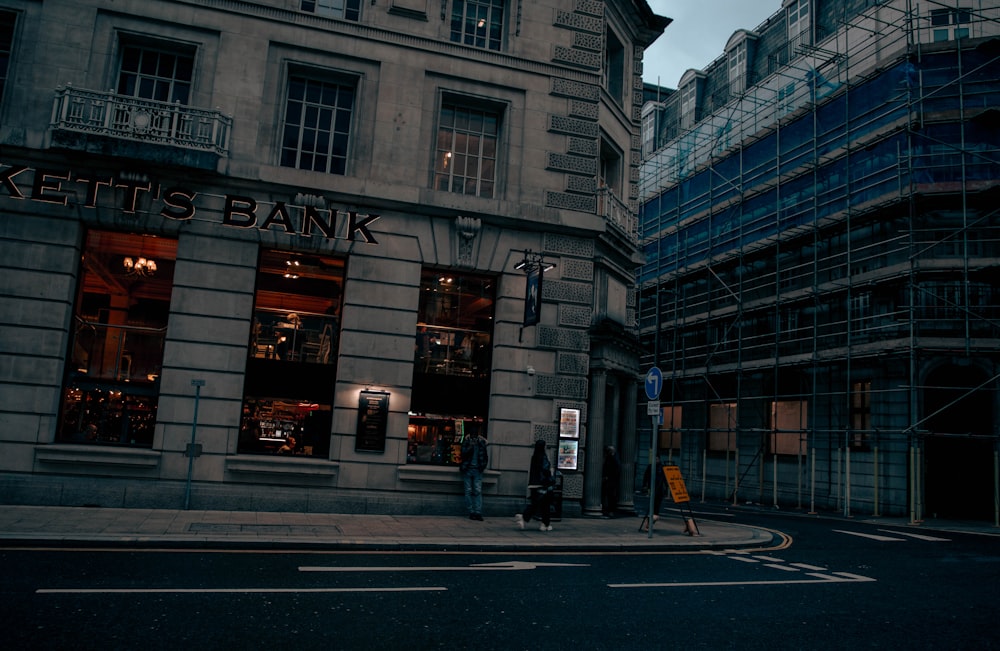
x: 917, y: 536
x: 806, y: 566
x: 503, y: 565
x: 744, y: 559
x: 224, y: 590
x: 778, y: 566
x: 820, y: 578
x: 870, y: 535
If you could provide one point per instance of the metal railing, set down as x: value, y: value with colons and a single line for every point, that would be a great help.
x: 105, y: 113
x: 618, y: 213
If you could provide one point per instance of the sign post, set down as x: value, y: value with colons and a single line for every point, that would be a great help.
x: 654, y: 384
x: 193, y: 449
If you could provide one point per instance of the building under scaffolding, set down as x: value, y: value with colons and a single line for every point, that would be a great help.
x: 822, y: 278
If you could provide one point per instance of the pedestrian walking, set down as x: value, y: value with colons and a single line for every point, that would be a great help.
x: 475, y: 458
x: 610, y: 476
x: 540, y: 485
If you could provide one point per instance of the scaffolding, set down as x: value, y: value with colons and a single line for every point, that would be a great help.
x: 821, y: 286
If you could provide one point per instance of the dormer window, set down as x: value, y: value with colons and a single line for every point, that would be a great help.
x: 798, y: 24
x: 689, y: 96
x: 737, y: 63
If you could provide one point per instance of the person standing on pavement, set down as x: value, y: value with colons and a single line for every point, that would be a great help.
x: 540, y: 485
x: 473, y: 464
x: 610, y: 476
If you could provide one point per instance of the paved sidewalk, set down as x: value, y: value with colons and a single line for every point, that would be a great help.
x: 48, y: 525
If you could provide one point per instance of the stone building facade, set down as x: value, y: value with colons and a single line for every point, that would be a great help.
x: 280, y: 255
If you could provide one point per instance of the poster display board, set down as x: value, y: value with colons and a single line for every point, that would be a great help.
x: 567, y: 454
x: 569, y: 423
x: 373, y: 414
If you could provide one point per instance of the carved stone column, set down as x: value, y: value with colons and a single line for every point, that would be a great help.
x: 596, y: 424
x: 629, y: 443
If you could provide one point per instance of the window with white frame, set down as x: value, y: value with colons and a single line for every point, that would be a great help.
x: 317, y: 123
x: 689, y: 94
x: 465, y: 157
x: 346, y: 9
x: 737, y: 61
x: 798, y: 23
x: 156, y: 74
x: 944, y: 23
x: 478, y: 23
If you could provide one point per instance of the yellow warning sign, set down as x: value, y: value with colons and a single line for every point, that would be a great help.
x: 678, y: 491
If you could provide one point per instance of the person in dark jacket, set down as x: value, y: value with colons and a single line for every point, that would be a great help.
x: 610, y: 476
x: 474, y: 461
x: 540, y: 483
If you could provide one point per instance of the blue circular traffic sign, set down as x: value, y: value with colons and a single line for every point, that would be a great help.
x: 654, y: 383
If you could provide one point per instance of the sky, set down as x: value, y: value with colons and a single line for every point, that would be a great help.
x: 698, y: 34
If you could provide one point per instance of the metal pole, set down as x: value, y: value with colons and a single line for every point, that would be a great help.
x: 197, y: 384
x: 652, y: 474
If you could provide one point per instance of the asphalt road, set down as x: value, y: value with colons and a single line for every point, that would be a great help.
x: 835, y: 585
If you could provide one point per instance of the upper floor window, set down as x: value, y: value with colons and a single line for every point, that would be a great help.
x: 614, y: 66
x: 7, y: 19
x: 346, y: 9
x: 737, y: 63
x: 944, y: 20
x: 154, y: 74
x: 465, y: 159
x: 798, y: 23
x: 478, y: 23
x: 317, y: 124
x: 689, y: 95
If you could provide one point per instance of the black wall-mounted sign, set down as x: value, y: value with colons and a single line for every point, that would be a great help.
x: 533, y: 297
x: 373, y: 414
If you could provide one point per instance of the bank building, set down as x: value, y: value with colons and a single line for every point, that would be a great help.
x: 286, y: 255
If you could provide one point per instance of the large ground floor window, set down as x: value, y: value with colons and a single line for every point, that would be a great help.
x: 116, y: 346
x: 451, y: 365
x: 292, y: 355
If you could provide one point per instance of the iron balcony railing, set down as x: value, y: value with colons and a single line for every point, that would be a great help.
x: 105, y: 113
x: 618, y: 213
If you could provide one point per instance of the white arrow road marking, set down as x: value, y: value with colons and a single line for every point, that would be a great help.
x: 504, y: 565
x: 870, y: 535
x: 917, y: 536
x: 223, y: 590
x: 841, y: 577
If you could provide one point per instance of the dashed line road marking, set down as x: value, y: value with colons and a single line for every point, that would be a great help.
x: 870, y: 535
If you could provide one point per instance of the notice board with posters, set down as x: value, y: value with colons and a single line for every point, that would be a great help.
x: 373, y: 414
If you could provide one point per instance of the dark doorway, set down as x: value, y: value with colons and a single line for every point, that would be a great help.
x: 958, y: 452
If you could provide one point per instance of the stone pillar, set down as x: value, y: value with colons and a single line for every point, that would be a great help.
x: 594, y: 457
x: 629, y: 442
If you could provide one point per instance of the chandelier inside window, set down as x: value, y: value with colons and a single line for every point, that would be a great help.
x: 139, y: 266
